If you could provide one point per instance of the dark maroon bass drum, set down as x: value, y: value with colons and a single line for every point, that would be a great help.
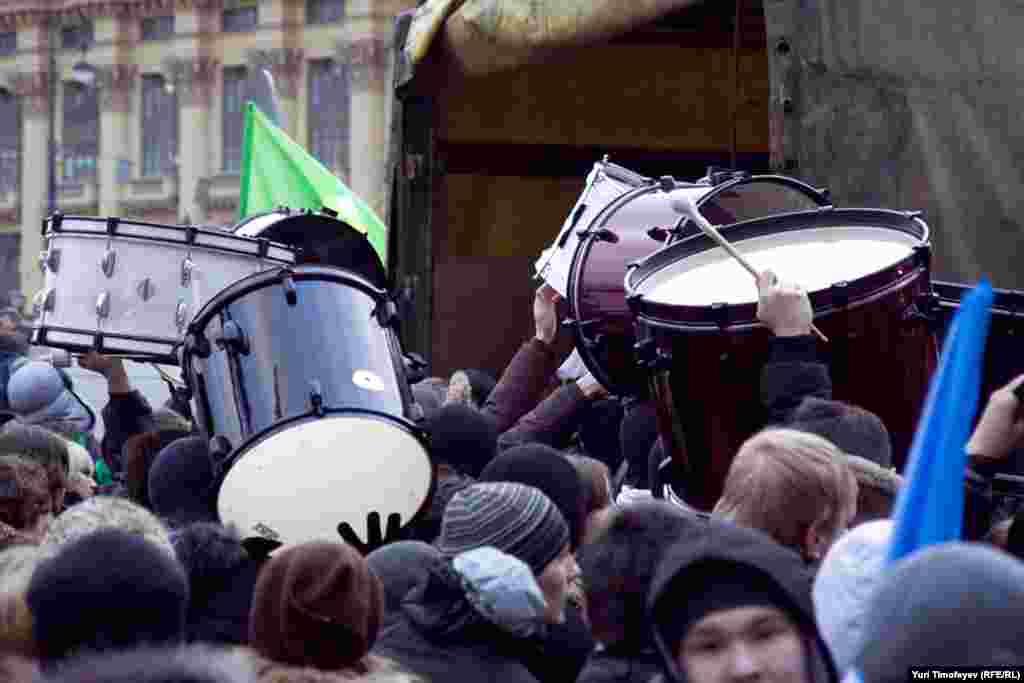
x: 868, y: 275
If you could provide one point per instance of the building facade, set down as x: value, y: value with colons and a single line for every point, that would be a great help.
x: 156, y: 134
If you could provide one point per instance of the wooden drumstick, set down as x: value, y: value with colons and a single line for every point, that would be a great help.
x: 684, y: 205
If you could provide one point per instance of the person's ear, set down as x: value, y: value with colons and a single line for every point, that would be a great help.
x: 816, y: 541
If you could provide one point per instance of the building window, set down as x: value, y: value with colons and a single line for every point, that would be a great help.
x: 241, y: 15
x: 81, y: 135
x: 8, y: 43
x: 77, y: 37
x: 10, y: 143
x: 324, y: 11
x: 158, y: 28
x: 159, y: 126
x: 232, y: 123
x: 328, y: 114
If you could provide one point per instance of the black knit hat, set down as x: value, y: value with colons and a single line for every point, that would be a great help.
x: 463, y: 437
x: 853, y: 429
x: 110, y: 590
x: 549, y: 471
x: 181, y: 483
x: 517, y: 520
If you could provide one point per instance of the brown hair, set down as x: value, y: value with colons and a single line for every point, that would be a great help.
x: 596, y: 479
x: 784, y: 481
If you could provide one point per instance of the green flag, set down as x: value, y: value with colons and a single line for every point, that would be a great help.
x: 277, y: 171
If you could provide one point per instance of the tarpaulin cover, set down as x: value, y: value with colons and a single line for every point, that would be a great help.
x: 911, y: 105
x: 490, y: 35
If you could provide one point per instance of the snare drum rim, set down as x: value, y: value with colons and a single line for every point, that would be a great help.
x: 52, y: 227
x: 247, y: 446
x: 700, y: 318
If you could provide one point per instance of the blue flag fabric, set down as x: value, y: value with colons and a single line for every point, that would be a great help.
x: 930, y: 507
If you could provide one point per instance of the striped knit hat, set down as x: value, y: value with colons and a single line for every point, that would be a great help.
x: 515, y: 519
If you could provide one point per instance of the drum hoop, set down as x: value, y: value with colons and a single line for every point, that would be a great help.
x: 284, y: 424
x: 652, y: 316
x: 52, y: 229
x: 908, y: 223
x: 40, y: 333
x: 272, y: 276
x: 814, y: 193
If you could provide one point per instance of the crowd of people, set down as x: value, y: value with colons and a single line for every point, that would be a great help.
x: 555, y: 547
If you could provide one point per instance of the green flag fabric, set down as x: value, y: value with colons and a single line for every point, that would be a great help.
x: 277, y: 171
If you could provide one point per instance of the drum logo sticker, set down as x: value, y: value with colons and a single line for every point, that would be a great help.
x: 368, y: 380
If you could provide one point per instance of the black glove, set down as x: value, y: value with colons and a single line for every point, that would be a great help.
x: 373, y: 533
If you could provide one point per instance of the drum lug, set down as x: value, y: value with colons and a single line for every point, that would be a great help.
x: 181, y: 315
x: 45, y: 300
x: 291, y: 295
x: 386, y: 312
x: 109, y: 263
x: 720, y: 312
x: 922, y: 310
x: 103, y: 306
x: 145, y: 289
x: 666, y: 183
x: 232, y: 339
x: 187, y: 266
x: 49, y: 260
x: 197, y: 345
x: 659, y: 234
x: 840, y: 294
x: 601, y: 235
x: 220, y: 449
x: 316, y: 398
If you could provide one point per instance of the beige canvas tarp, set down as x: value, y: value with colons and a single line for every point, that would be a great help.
x: 490, y: 35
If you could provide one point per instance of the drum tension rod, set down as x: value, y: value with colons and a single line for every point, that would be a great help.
x: 316, y: 398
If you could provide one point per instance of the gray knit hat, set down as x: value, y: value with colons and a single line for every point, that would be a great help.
x: 516, y: 519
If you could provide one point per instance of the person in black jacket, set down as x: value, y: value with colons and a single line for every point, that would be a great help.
x: 451, y: 632
x: 731, y: 604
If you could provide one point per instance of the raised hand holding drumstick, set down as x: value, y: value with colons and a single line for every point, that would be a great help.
x: 784, y: 307
x: 684, y: 205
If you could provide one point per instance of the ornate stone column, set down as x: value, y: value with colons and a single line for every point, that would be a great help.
x: 285, y: 65
x: 116, y: 85
x: 33, y: 91
x: 368, y: 59
x: 194, y: 81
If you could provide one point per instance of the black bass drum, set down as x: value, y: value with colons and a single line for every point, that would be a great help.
x: 299, y: 384
x: 322, y: 238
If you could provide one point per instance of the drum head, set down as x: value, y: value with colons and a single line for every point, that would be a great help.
x: 299, y: 483
x: 322, y: 238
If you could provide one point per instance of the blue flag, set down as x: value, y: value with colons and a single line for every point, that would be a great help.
x: 930, y: 507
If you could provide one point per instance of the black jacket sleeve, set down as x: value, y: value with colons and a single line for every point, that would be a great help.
x: 124, y: 416
x: 793, y: 372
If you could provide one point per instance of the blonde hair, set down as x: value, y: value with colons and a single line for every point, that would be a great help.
x: 105, y: 512
x: 783, y: 482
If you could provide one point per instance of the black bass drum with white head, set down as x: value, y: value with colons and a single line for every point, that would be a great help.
x: 299, y: 384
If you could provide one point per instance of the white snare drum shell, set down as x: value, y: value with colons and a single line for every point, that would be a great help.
x: 815, y: 259
x: 299, y: 484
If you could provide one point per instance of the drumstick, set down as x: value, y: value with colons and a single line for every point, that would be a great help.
x: 684, y: 205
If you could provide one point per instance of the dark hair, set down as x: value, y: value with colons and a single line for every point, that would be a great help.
x: 852, y: 429
x: 619, y: 564
x: 1015, y: 537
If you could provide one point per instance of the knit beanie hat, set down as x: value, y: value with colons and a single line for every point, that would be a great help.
x: 182, y: 482
x: 463, y: 437
x: 726, y: 585
x: 549, y: 471
x: 110, y: 590
x: 316, y: 605
x: 401, y: 567
x: 853, y: 429
x: 516, y: 519
x: 38, y: 393
x: 843, y: 587
x: 106, y: 512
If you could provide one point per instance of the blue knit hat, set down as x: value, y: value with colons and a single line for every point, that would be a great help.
x: 516, y: 519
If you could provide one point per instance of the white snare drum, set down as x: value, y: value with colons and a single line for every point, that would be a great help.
x: 605, y: 183
x: 130, y: 289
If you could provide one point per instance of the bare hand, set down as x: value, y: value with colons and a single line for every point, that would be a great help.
x: 1001, y: 428
x: 545, y: 313
x: 784, y: 307
x: 591, y: 388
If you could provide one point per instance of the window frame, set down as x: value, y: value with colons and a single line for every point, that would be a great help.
x: 338, y: 102
x: 166, y: 129
x: 86, y: 163
x: 162, y: 32
x: 237, y: 76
